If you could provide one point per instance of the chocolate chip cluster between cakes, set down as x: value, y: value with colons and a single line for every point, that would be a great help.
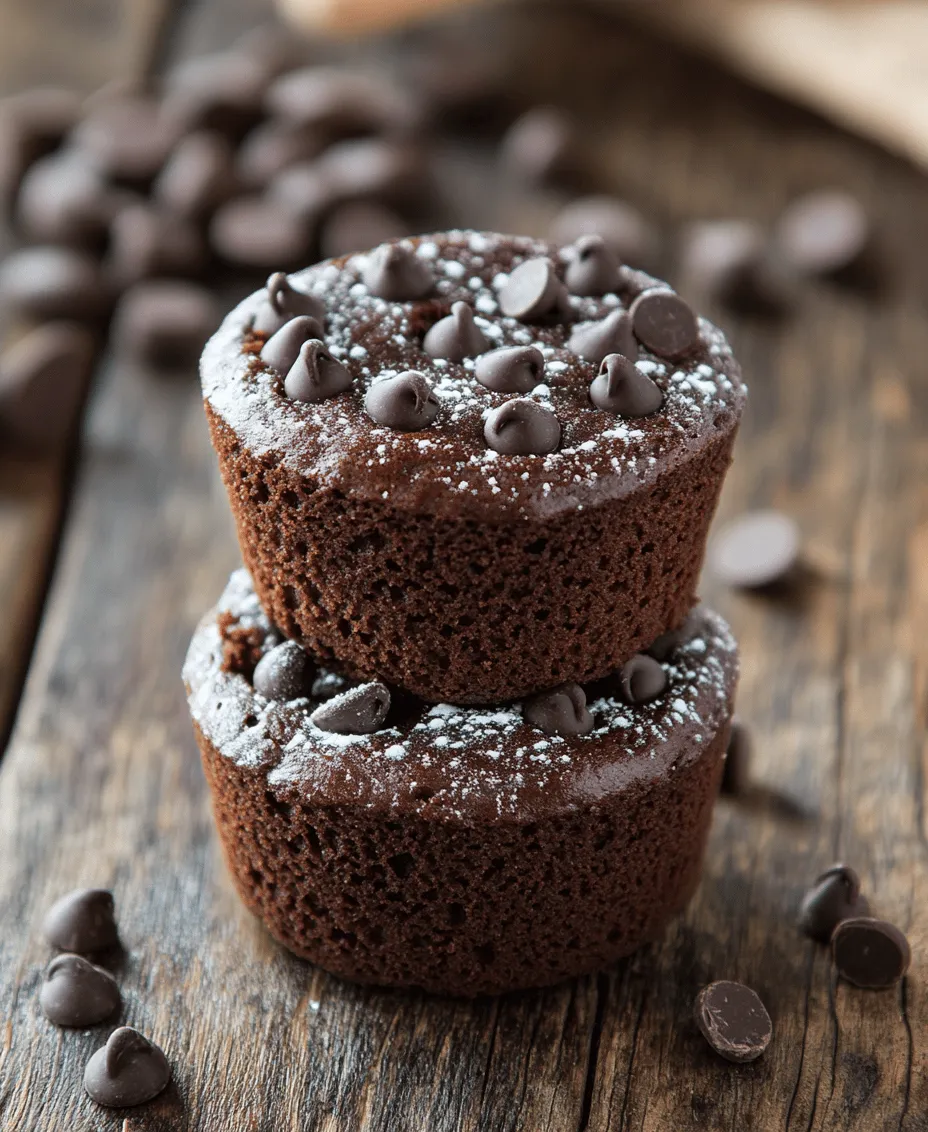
x: 462, y: 723
x: 473, y: 465
x: 462, y: 849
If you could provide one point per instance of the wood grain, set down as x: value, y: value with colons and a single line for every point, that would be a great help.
x: 102, y: 783
x: 78, y: 44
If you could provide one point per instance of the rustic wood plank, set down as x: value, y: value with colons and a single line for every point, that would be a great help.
x: 102, y: 783
x: 79, y: 44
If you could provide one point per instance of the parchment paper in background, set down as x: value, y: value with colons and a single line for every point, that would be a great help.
x: 863, y: 64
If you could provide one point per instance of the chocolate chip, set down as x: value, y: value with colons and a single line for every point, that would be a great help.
x: 146, y: 242
x: 521, y: 427
x: 511, y: 369
x: 32, y: 123
x: 405, y: 402
x: 562, y: 711
x: 165, y: 323
x: 49, y: 283
x: 395, y: 272
x: 870, y: 953
x: 592, y: 267
x: 260, y: 232
x: 613, y: 334
x: 63, y: 200
x: 76, y: 993
x: 272, y: 147
x: 128, y: 138
x: 622, y: 388
x: 823, y: 233
x: 667, y: 643
x: 359, y: 711
x: 532, y: 290
x: 375, y: 169
x: 736, y: 771
x: 283, y: 303
x: 834, y: 897
x: 223, y: 91
x: 758, y: 549
x: 285, y: 673
x: 83, y: 921
x: 641, y: 679
x: 198, y: 176
x: 625, y: 231
x: 456, y: 336
x: 43, y: 378
x: 282, y: 349
x: 342, y: 103
x: 305, y: 192
x: 539, y: 146
x: 127, y: 1071
x: 733, y: 1020
x: 358, y: 225
x: 316, y: 375
x: 732, y: 261
x: 664, y: 323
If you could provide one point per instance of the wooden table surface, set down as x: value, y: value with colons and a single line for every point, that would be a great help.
x: 100, y: 783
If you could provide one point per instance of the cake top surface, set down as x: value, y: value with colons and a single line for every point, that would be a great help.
x: 452, y: 763
x: 449, y: 466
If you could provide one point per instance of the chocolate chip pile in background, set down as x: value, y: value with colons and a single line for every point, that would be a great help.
x: 133, y: 205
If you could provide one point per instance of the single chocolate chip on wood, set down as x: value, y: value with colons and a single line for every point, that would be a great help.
x: 457, y: 336
x: 32, y: 123
x: 733, y: 1020
x: 146, y: 241
x: 359, y: 711
x: 165, y: 322
x: 594, y: 341
x: 76, y: 993
x: 42, y: 382
x: 521, y: 427
x: 63, y: 199
x: 316, y: 375
x: 870, y: 953
x: 732, y: 261
x: 272, y: 147
x: 198, y: 176
x: 834, y: 897
x: 758, y: 549
x: 223, y: 91
x: 129, y: 138
x: 531, y: 291
x: 283, y: 303
x: 511, y: 369
x: 562, y: 711
x: 539, y: 146
x: 285, y: 673
x: 664, y: 323
x: 641, y: 679
x: 127, y: 1071
x: 736, y: 772
x: 630, y: 236
x: 260, y: 232
x: 306, y: 192
x: 357, y: 225
x: 397, y: 273
x: 383, y: 169
x: 82, y: 921
x: 49, y: 283
x: 343, y: 103
x: 406, y: 402
x: 282, y: 349
x: 592, y: 267
x: 823, y: 233
x: 621, y: 387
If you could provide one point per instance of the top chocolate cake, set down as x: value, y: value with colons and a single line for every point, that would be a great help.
x: 472, y: 465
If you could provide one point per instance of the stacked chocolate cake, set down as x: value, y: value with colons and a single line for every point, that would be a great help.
x: 461, y: 717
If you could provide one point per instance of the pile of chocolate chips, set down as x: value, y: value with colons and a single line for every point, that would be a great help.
x: 78, y: 993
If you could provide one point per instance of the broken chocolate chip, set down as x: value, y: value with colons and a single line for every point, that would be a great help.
x: 359, y: 711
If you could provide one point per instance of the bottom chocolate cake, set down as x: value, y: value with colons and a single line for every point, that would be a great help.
x: 463, y: 850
